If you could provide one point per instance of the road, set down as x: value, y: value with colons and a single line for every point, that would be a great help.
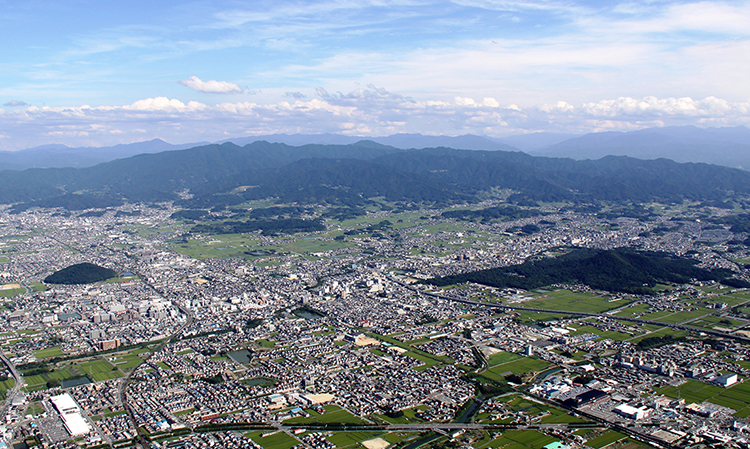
x: 16, y: 388
x: 591, y: 314
x: 124, y: 385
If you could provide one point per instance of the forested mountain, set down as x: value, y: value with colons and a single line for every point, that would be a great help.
x: 619, y: 270
x: 350, y: 174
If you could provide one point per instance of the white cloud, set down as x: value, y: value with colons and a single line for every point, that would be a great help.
x: 164, y: 104
x: 212, y: 86
x: 365, y: 111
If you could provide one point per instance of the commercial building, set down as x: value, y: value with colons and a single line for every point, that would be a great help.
x: 726, y: 380
x: 632, y: 412
x: 70, y: 413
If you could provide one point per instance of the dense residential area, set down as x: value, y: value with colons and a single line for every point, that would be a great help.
x: 333, y: 338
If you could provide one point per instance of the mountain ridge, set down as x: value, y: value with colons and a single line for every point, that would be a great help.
x: 353, y: 173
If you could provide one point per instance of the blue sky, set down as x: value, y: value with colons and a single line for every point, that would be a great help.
x: 90, y: 73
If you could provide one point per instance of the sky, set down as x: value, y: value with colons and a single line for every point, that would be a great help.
x: 93, y: 73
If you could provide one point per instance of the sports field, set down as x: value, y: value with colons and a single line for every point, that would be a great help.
x: 502, y: 357
x: 278, y: 440
x: 99, y: 370
x: 344, y: 439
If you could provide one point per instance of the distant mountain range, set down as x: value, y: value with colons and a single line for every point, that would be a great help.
x: 58, y: 156
x: 61, y: 156
x: 729, y: 147
x: 349, y: 175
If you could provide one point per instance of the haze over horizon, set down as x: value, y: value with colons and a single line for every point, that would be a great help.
x: 92, y: 74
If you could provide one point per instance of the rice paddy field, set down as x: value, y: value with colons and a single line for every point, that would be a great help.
x: 736, y: 397
x: 95, y: 369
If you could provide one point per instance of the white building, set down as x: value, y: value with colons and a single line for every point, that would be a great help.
x: 632, y: 412
x: 726, y: 380
x: 70, y: 413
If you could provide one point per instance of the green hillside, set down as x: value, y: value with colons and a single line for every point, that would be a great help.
x: 618, y: 270
x: 221, y: 175
x: 82, y: 273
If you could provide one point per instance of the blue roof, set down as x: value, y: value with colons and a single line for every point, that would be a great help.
x: 556, y: 445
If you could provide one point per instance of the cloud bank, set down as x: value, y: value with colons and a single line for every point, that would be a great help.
x: 369, y: 111
x: 15, y: 104
x: 212, y: 86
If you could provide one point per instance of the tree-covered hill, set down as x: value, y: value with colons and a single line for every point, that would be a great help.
x: 219, y: 175
x: 82, y: 273
x: 618, y: 270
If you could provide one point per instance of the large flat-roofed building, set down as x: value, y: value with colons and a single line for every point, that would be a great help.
x: 632, y: 412
x: 70, y: 413
x: 726, y: 380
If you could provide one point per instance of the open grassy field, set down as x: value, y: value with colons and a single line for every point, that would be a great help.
x: 502, y: 357
x: 408, y: 417
x: 126, y: 362
x: 527, y: 316
x: 657, y: 315
x: 12, y: 292
x: 49, y: 352
x: 559, y: 416
x: 659, y: 333
x: 712, y: 322
x: 334, y: 414
x: 520, y: 367
x: 525, y: 365
x: 95, y: 369
x: 634, y: 310
x: 736, y: 397
x: 684, y: 316
x: 38, y: 286
x: 519, y: 403
x: 225, y: 245
x: 605, y: 439
x: 62, y: 374
x: 574, y: 302
x: 6, y: 385
x: 345, y: 439
x: 522, y: 439
x: 731, y: 300
x: 278, y: 440
x: 99, y: 370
